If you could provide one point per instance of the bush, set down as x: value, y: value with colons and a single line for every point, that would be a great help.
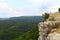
x: 59, y: 9
x: 45, y: 16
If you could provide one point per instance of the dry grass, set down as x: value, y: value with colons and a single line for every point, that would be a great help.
x: 57, y: 29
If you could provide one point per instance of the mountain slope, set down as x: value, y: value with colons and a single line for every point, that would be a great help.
x: 14, y: 27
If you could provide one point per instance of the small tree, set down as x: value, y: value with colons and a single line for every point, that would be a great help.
x: 45, y: 16
x: 59, y: 9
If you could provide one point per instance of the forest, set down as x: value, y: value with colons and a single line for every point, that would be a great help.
x: 19, y: 28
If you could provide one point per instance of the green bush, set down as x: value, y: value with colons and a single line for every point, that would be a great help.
x: 45, y: 16
x: 59, y: 9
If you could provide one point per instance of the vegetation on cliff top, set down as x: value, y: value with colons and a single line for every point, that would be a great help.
x: 45, y: 16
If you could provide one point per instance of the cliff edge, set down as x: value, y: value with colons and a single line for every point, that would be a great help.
x: 49, y: 30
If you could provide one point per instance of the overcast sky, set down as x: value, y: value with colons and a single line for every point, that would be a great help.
x: 13, y: 8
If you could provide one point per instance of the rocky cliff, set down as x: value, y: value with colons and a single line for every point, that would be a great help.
x: 50, y: 29
x: 47, y: 30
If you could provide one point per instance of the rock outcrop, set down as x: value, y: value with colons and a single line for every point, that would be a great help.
x: 53, y: 36
x: 49, y: 30
x: 46, y: 30
x: 55, y: 16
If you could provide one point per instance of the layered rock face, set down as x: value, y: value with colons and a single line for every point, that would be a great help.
x: 46, y: 30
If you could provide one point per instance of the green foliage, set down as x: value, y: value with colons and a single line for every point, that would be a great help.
x: 59, y: 9
x: 45, y: 16
x: 20, y: 28
x: 30, y: 35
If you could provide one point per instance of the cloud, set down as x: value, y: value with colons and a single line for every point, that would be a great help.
x: 4, y: 5
x: 53, y: 8
x: 50, y: 5
x: 38, y: 7
x: 27, y: 7
x: 31, y: 8
x: 7, y: 10
x: 2, y: 0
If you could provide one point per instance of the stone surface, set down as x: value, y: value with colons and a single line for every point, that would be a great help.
x: 55, y: 16
x: 53, y: 36
x: 45, y: 28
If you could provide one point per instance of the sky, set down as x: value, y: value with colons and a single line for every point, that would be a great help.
x: 15, y: 8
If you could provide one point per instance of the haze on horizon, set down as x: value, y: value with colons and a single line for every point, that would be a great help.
x: 14, y: 8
